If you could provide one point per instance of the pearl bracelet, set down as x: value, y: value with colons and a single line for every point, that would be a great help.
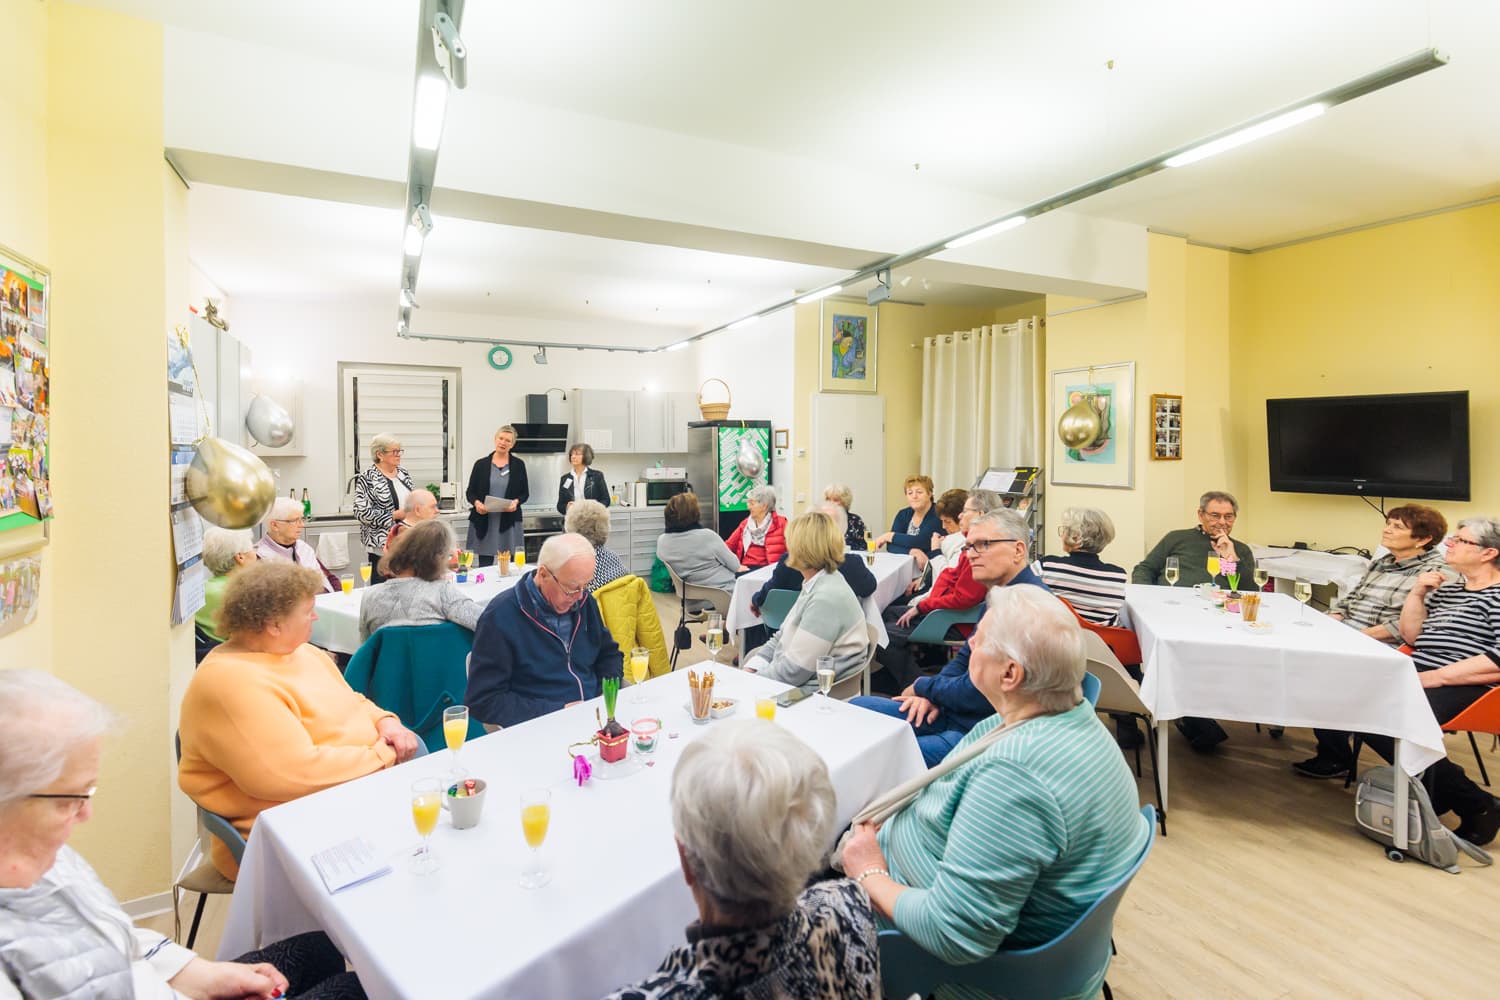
x: 860, y: 878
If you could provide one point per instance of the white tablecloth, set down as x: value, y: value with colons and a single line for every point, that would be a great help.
x: 1341, y: 570
x: 337, y: 627
x: 1201, y: 661
x: 892, y: 574
x: 616, y: 903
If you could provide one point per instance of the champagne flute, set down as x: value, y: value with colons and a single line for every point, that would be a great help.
x: 364, y: 573
x: 1213, y: 569
x: 869, y: 542
x: 1261, y: 576
x: 640, y: 661
x: 825, y: 682
x: 426, y: 803
x: 455, y: 731
x: 536, y: 816
x: 1170, y: 574
x: 1302, y: 591
x: 714, y: 637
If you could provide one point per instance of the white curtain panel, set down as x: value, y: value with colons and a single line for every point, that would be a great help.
x: 982, y: 399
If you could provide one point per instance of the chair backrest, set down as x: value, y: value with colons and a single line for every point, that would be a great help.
x: 1118, y: 691
x: 696, y: 592
x: 629, y: 614
x: 1122, y: 641
x: 1483, y: 716
x: 1071, y: 964
x: 1090, y: 688
x: 416, y: 671
x: 858, y: 683
x: 778, y: 603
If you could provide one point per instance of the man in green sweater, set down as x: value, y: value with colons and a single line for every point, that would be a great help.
x: 1193, y: 547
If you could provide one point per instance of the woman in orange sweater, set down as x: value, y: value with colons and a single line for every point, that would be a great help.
x: 268, y: 718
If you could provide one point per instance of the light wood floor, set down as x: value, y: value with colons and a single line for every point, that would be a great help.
x: 1263, y: 889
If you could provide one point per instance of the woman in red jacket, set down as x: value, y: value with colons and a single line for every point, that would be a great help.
x: 760, y: 538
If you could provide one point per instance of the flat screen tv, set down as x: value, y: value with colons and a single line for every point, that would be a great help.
x: 1412, y: 446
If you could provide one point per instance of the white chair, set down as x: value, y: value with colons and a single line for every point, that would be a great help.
x: 858, y: 683
x: 694, y: 592
x: 1119, y: 694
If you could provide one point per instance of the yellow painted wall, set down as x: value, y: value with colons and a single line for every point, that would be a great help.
x: 898, y: 380
x: 110, y: 557
x: 1410, y: 307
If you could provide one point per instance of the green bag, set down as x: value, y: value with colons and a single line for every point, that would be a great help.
x: 661, y: 579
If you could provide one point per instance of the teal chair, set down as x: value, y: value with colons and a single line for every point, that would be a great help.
x: 1091, y: 688
x: 205, y: 879
x: 934, y: 626
x: 774, y: 611
x: 416, y: 671
x: 1072, y: 964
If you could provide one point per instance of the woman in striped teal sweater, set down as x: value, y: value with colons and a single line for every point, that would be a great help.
x: 1010, y: 847
x: 827, y: 619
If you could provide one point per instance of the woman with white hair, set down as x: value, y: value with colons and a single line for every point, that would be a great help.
x: 380, y: 497
x: 1095, y: 588
x: 854, y: 527
x: 590, y: 518
x: 282, y: 541
x: 753, y: 811
x: 62, y: 933
x: 760, y: 539
x: 224, y: 552
x: 1029, y: 819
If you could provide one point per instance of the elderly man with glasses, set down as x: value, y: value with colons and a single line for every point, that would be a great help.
x: 943, y: 707
x: 283, y: 541
x: 542, y: 644
x: 1192, y: 548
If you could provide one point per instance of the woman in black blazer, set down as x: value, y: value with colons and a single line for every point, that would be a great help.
x: 580, y: 457
x: 499, y: 474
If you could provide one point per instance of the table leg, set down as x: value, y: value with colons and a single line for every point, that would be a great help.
x: 1161, y: 759
x: 1400, y: 793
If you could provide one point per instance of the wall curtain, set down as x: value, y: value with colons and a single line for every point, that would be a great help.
x: 982, y: 399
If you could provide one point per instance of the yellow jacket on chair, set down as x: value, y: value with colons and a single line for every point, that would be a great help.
x: 630, y: 616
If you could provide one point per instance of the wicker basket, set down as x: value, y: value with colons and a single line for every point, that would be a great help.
x: 715, y: 411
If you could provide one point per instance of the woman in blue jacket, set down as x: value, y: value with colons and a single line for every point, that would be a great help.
x: 916, y: 527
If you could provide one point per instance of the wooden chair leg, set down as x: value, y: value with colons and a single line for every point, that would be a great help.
x: 1483, y: 774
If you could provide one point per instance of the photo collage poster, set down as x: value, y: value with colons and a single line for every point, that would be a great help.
x: 25, y: 483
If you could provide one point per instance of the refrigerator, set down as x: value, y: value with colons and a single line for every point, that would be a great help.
x: 715, y: 471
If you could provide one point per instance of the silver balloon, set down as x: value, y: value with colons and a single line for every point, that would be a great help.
x: 269, y: 423
x: 1080, y: 424
x: 749, y: 459
x: 228, y: 485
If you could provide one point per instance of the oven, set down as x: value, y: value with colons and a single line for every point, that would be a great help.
x: 537, y: 525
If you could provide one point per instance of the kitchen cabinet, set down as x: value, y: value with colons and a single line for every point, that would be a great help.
x: 661, y: 420
x: 633, y: 532
x: 606, y: 419
x: 637, y: 423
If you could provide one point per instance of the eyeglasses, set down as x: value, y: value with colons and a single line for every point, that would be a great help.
x: 1457, y: 540
x: 289, y: 520
x: 1218, y: 517
x: 75, y: 801
x: 395, y: 451
x: 982, y: 545
x: 567, y: 591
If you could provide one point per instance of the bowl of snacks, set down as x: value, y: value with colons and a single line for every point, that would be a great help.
x: 723, y: 708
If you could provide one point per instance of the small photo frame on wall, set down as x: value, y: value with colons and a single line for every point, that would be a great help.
x: 1166, y: 427
x: 846, y: 346
x: 1093, y: 425
x: 781, y: 438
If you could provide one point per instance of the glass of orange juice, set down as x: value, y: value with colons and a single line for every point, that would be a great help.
x: 364, y: 573
x: 536, y: 815
x: 346, y: 584
x: 426, y: 803
x: 765, y: 708
x: 520, y: 558
x: 455, y: 731
x: 640, y: 662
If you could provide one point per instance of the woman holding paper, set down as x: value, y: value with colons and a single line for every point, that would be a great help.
x: 61, y: 931
x: 497, y: 489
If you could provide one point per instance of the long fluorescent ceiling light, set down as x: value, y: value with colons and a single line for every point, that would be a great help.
x: 821, y: 293
x: 1014, y: 222
x: 1269, y: 127
x: 428, y: 109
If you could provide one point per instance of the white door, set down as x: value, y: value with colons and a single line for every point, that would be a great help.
x: 848, y: 434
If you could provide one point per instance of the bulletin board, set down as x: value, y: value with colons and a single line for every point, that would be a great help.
x: 25, y: 393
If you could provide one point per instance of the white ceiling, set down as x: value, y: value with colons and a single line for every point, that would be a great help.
x: 984, y: 105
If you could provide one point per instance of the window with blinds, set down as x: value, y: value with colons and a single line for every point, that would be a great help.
x: 416, y: 404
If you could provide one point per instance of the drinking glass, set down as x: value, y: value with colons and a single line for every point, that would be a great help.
x: 825, y: 682
x: 520, y: 558
x: 1171, y: 574
x: 714, y: 637
x: 346, y: 584
x: 765, y: 708
x: 1213, y: 569
x: 364, y: 573
x: 1261, y: 576
x: 536, y: 815
x: 426, y: 803
x: 869, y: 542
x: 1302, y: 591
x: 455, y: 731
x: 640, y: 660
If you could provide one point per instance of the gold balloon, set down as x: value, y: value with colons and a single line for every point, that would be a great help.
x: 228, y: 485
x: 1080, y: 425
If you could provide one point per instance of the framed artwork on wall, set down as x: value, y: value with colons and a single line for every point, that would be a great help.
x: 846, y: 346
x: 1166, y: 427
x: 1093, y: 425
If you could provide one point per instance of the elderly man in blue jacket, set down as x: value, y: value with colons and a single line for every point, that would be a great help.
x: 542, y: 645
x: 942, y: 708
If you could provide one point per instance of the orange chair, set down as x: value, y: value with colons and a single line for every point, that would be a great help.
x: 1121, y: 641
x: 1481, y: 717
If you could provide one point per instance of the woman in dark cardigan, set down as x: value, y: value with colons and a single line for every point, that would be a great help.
x: 498, y: 474
x: 582, y: 482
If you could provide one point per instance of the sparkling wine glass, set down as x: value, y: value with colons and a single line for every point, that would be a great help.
x: 825, y: 682
x: 1261, y: 576
x: 536, y: 816
x: 455, y: 731
x: 1170, y: 574
x: 640, y: 662
x: 364, y: 573
x: 1302, y: 591
x: 713, y: 637
x: 1213, y: 569
x: 426, y: 803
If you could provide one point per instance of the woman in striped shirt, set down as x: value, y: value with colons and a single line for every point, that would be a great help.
x: 1016, y: 838
x: 1095, y: 588
x: 1454, y: 629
